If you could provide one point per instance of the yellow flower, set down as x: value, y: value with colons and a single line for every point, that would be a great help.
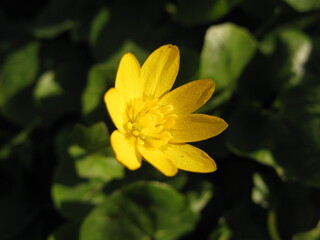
x: 155, y: 123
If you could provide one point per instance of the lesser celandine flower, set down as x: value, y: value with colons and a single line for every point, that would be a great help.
x: 155, y: 123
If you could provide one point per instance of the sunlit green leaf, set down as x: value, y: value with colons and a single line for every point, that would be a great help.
x: 101, y: 165
x: 304, y: 6
x: 47, y: 86
x: 260, y: 192
x: 92, y: 153
x: 226, y: 52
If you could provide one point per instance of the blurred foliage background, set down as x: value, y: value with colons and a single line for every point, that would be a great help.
x: 59, y: 179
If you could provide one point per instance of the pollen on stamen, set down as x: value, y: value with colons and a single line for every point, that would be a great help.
x: 158, y: 129
x: 129, y: 125
x: 167, y: 108
x: 148, y: 122
x: 140, y: 141
x: 169, y: 121
x: 135, y: 133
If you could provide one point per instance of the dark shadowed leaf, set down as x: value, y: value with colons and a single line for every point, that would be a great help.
x: 313, y: 234
x: 203, y: 11
x: 18, y: 73
x: 147, y: 210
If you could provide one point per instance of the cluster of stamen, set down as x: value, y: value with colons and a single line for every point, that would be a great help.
x: 149, y: 121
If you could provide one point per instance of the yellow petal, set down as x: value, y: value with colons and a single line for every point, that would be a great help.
x: 116, y: 107
x: 196, y: 127
x: 156, y: 158
x: 191, y: 96
x: 128, y: 80
x: 125, y: 150
x: 189, y: 158
x: 160, y: 70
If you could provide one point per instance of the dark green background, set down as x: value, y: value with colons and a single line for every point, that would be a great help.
x: 58, y: 177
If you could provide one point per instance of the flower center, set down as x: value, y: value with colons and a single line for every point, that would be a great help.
x: 149, y: 121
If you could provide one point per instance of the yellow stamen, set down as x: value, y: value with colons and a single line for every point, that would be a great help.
x: 149, y: 121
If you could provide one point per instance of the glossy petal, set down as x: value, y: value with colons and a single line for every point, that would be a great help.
x: 189, y: 158
x: 125, y: 150
x: 128, y: 80
x: 160, y: 70
x: 160, y: 161
x: 116, y: 107
x: 189, y: 97
x: 196, y: 127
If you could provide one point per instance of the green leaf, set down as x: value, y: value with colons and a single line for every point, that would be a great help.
x: 58, y: 90
x: 47, y: 86
x: 313, y: 234
x: 54, y: 19
x: 101, y: 77
x: 222, y: 232
x: 77, y: 201
x: 90, y: 138
x: 300, y: 139
x: 199, y: 198
x: 66, y: 231
x: 18, y: 73
x: 226, y: 52
x: 51, y: 30
x: 260, y: 192
x: 101, y: 165
x: 140, y: 211
x: 251, y: 129
x: 305, y: 5
x: 291, y: 50
x: 98, y: 22
x: 22, y: 138
x: 203, y: 11
x: 73, y: 196
x: 92, y: 153
x: 282, y: 139
x: 60, y: 16
x: 86, y: 163
x: 297, y: 209
x: 240, y: 222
